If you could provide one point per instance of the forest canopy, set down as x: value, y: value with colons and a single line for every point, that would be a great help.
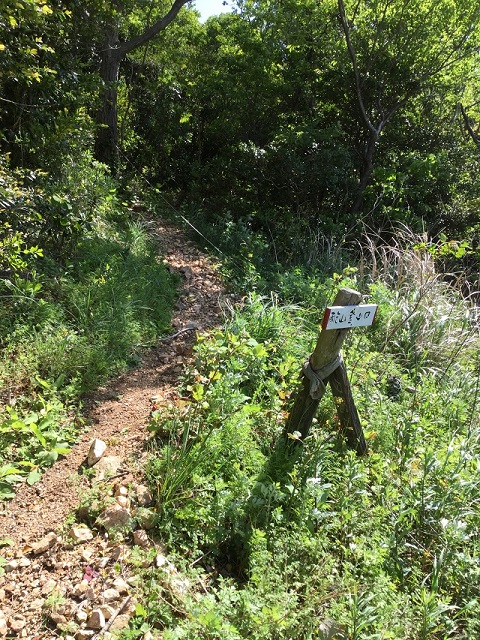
x: 287, y: 119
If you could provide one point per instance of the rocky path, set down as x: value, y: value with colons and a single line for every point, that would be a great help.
x: 56, y: 583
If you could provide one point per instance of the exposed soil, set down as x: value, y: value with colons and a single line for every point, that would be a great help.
x: 118, y: 415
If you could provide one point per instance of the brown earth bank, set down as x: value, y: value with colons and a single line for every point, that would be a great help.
x: 53, y: 581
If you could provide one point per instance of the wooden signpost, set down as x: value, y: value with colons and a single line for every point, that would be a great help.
x: 325, y: 366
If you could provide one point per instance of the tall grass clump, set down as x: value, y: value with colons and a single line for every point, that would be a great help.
x: 323, y: 543
x: 424, y: 315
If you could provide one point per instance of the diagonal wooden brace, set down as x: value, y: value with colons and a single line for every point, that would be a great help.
x: 347, y: 411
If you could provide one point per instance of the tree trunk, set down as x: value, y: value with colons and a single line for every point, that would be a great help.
x: 106, y: 144
x: 113, y: 52
x: 366, y: 172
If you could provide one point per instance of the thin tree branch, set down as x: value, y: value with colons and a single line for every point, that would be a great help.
x: 473, y: 134
x: 353, y: 58
x: 148, y: 34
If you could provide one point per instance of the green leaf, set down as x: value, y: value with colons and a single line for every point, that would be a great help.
x: 31, y: 418
x: 18, y: 425
x: 34, y: 476
x: 140, y: 611
x: 6, y: 491
x: 7, y: 542
x: 43, y: 383
x: 9, y: 470
x: 47, y: 458
x: 198, y: 391
x: 259, y: 351
x: 38, y: 434
x: 62, y: 449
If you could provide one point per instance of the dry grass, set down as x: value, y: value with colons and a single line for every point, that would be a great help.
x: 434, y: 319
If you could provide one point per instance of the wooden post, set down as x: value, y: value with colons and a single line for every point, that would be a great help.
x: 347, y: 411
x: 326, y: 353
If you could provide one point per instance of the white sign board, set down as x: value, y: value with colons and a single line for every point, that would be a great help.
x: 359, y: 315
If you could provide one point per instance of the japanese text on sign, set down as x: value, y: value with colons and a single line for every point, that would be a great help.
x: 361, y: 315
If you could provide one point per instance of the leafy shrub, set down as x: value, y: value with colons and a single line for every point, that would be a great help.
x: 87, y: 322
x: 379, y: 546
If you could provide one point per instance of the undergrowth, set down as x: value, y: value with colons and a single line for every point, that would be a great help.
x: 318, y: 542
x: 77, y: 318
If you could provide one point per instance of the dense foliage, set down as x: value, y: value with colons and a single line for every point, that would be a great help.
x: 282, y: 544
x: 300, y: 137
x: 80, y: 289
x: 290, y: 119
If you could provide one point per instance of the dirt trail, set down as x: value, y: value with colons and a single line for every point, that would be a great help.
x: 118, y: 414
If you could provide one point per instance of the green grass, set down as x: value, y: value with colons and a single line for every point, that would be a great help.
x: 276, y: 544
x: 95, y: 310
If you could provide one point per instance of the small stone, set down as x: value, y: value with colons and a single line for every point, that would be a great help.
x: 44, y: 544
x: 143, y: 495
x: 80, y: 589
x: 140, y: 538
x: 161, y: 561
x: 146, y: 518
x: 84, y: 634
x: 107, y: 467
x: 115, y: 517
x: 10, y: 566
x: 97, y: 449
x: 121, y: 490
x: 87, y: 554
x: 110, y: 595
x: 36, y: 604
x: 80, y: 534
x: 24, y: 562
x: 17, y: 623
x: 96, y: 620
x: 120, y: 622
x: 81, y: 616
x: 3, y: 627
x: 57, y: 618
x: 123, y: 501
x: 90, y: 594
x: 2, y: 595
x: 48, y: 587
x: 121, y: 586
x: 121, y: 552
x: 107, y: 611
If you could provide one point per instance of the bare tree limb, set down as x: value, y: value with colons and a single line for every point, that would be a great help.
x: 151, y: 32
x: 468, y: 125
x: 114, y: 615
x: 353, y: 57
